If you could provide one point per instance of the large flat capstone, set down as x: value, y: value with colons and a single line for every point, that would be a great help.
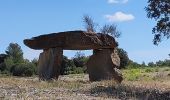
x: 71, y: 40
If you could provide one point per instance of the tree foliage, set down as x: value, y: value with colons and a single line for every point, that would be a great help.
x: 124, y: 59
x: 66, y: 66
x: 23, y: 69
x: 15, y: 64
x: 132, y: 64
x: 69, y: 67
x: 79, y: 59
x: 14, y: 51
x: 160, y: 11
x: 160, y: 63
x: 110, y: 30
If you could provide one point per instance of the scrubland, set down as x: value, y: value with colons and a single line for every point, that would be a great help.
x: 139, y: 83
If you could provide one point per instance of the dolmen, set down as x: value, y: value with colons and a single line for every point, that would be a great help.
x: 102, y: 65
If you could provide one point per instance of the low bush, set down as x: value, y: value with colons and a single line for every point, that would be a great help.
x: 23, y: 69
x: 132, y: 74
x: 2, y: 66
x: 78, y: 70
x: 148, y: 70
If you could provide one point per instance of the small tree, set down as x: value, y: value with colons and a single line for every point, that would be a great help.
x: 132, y: 64
x: 124, y: 59
x: 110, y: 30
x: 89, y: 24
x: 151, y: 64
x: 14, y: 52
x: 67, y: 66
x: 79, y: 59
x: 16, y: 64
x: 143, y: 64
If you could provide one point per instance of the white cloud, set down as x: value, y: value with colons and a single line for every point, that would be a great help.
x: 113, y: 1
x: 119, y: 17
x: 117, y: 1
x: 125, y: 1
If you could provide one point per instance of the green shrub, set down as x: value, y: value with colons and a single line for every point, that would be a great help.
x: 23, y: 69
x: 5, y: 72
x: 132, y: 74
x: 18, y: 70
x: 78, y: 70
x: 148, y: 70
x: 124, y: 59
x: 28, y: 72
x: 2, y: 66
x: 9, y: 63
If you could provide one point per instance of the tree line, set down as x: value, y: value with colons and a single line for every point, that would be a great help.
x: 13, y: 62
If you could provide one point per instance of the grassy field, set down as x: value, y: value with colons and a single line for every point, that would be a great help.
x: 141, y: 83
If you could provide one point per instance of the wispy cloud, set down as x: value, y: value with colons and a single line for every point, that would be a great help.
x: 119, y: 17
x: 117, y: 1
x: 125, y: 1
x: 113, y: 1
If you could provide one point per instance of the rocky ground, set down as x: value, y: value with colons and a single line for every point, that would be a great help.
x: 77, y: 87
x: 66, y: 88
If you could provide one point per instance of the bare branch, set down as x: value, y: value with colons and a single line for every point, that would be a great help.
x: 111, y: 30
x: 89, y: 24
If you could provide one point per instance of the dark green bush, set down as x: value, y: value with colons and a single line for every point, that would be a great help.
x: 24, y: 69
x: 18, y: 70
x: 5, y: 72
x: 124, y: 59
x: 68, y: 66
x: 2, y: 66
x: 80, y: 59
x: 78, y: 70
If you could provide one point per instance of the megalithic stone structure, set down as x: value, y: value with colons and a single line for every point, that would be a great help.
x: 101, y: 65
x: 49, y: 63
x: 71, y: 40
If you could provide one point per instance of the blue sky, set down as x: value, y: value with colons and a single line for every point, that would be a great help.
x: 21, y: 19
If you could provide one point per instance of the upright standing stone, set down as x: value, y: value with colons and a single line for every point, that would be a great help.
x: 103, y: 66
x: 49, y: 64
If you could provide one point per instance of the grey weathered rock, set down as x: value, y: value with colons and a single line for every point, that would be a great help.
x: 50, y: 63
x: 72, y: 40
x: 115, y: 57
x: 102, y: 66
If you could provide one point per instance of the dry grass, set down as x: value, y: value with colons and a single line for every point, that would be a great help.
x: 77, y: 87
x: 131, y: 90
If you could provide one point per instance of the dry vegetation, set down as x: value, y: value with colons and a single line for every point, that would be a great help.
x: 144, y: 84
